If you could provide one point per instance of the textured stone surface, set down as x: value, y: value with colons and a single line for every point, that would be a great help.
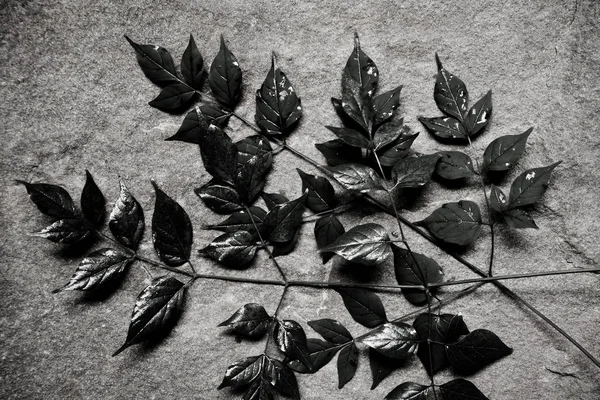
x: 73, y: 97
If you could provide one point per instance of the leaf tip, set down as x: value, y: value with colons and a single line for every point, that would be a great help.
x: 438, y: 62
x: 54, y: 291
x: 120, y: 350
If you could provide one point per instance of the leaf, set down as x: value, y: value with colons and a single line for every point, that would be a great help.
x: 498, y: 200
x: 365, y: 307
x: 530, y: 186
x: 284, y: 219
x: 156, y: 62
x: 350, y: 137
x: 415, y: 269
x: 234, y: 249
x: 327, y: 230
x: 225, y: 77
x: 193, y: 128
x: 450, y: 93
x: 502, y: 153
x: 336, y: 152
x: 397, y: 150
x: 282, y: 249
x: 479, y: 115
x: 518, y: 219
x: 456, y: 223
x: 414, y: 172
x: 251, y: 320
x: 156, y: 307
x: 321, y: 196
x: 440, y: 329
x: 385, y: 104
x: 331, y: 330
x: 242, y: 372
x: 241, y: 221
x: 92, y: 201
x: 98, y: 269
x: 272, y: 199
x: 172, y: 232
x: 214, y: 115
x: 278, y: 107
x: 410, y: 391
x: 461, y: 389
x: 445, y: 127
x: 51, y: 200
x: 66, y: 231
x: 454, y: 165
x: 252, y: 147
x: 219, y: 154
x: 251, y: 177
x: 475, y: 351
x: 346, y: 364
x: 361, y: 69
x: 347, y: 121
x: 367, y: 244
x: 291, y: 340
x: 381, y: 366
x: 320, y: 353
x: 281, y: 377
x: 357, y: 177
x: 220, y: 198
x: 394, y: 340
x: 126, y: 221
x: 259, y: 390
x: 192, y: 65
x: 173, y: 97
x: 384, y: 137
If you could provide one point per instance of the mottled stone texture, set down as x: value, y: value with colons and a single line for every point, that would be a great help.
x: 73, y: 97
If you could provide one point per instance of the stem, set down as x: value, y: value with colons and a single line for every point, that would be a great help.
x: 264, y: 244
x: 337, y: 210
x: 165, y: 267
x: 285, y: 288
x: 246, y: 122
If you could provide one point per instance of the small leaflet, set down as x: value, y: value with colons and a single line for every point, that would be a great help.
x: 251, y: 320
x: 367, y: 244
x: 225, y: 77
x: 51, y: 200
x: 234, y: 249
x: 92, y: 201
x: 456, y: 223
x: 126, y: 221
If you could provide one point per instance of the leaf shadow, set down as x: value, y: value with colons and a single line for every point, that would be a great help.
x: 452, y: 184
x: 357, y: 272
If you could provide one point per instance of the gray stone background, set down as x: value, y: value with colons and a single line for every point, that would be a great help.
x: 73, y: 97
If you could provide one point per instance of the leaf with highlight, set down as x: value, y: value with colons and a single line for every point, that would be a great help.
x: 321, y: 196
x: 291, y: 340
x: 394, y: 340
x: 385, y: 104
x: 445, y: 127
x: 241, y: 221
x: 413, y: 172
x: 367, y: 244
x: 51, y: 200
x: 219, y: 154
x: 357, y: 177
x: 233, y: 249
x: 454, y: 165
x: 530, y: 186
x: 450, y: 93
x: 498, y: 200
x: 66, y: 231
x: 284, y: 219
x: 126, y: 221
x: 456, y: 223
x: 220, y: 198
x: 479, y: 115
x: 504, y: 152
x: 518, y: 219
x: 225, y: 77
x: 390, y: 154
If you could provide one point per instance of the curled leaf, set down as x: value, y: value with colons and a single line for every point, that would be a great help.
x: 126, y: 221
x: 368, y: 244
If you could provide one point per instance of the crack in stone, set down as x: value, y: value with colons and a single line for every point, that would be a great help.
x: 563, y: 374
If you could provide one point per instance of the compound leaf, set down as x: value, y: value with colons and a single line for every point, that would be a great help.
x: 251, y: 320
x: 66, y: 231
x: 479, y: 115
x: 156, y: 63
x: 367, y: 244
x: 92, y: 201
x: 502, y: 153
x: 414, y: 172
x: 173, y: 97
x: 225, y: 77
x: 327, y: 230
x: 450, y: 93
x: 321, y: 195
x: 291, y: 340
x: 394, y: 340
x: 475, y: 351
x: 235, y: 249
x: 126, y: 221
x: 331, y: 330
x: 530, y: 186
x: 347, y: 363
x: 415, y: 269
x: 456, y: 223
x: 192, y: 65
x: 365, y: 307
x: 220, y: 198
x: 454, y: 165
x: 51, y: 200
x: 357, y: 177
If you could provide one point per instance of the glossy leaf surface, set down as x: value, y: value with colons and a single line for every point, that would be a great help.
x: 251, y: 320
x: 475, y: 351
x: 225, y: 77
x: 450, y: 93
x: 364, y: 306
x: 414, y: 172
x: 415, y: 269
x: 390, y: 154
x: 92, y: 201
x: 394, y: 340
x: 385, y: 104
x: 454, y: 165
x: 320, y: 352
x: 241, y: 221
x: 126, y: 221
x: 503, y: 153
x: 445, y: 128
x: 193, y: 127
x: 156, y: 63
x: 242, y: 372
x: 456, y: 223
x: 220, y: 198
x: 51, y: 200
x: 331, y: 330
x: 291, y: 340
x: 411, y: 391
x: 479, y: 115
x: 366, y: 244
x: 234, y: 249
x: 350, y: 137
x: 498, y: 200
x: 336, y: 152
x: 357, y: 177
x: 530, y: 186
x: 66, y: 231
x: 518, y: 219
x: 272, y: 199
x: 321, y: 195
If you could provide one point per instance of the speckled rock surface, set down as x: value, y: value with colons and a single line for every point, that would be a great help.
x: 72, y: 97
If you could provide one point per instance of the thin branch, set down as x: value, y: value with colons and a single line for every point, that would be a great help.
x: 264, y: 244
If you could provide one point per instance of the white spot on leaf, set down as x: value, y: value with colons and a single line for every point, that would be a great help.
x: 530, y: 176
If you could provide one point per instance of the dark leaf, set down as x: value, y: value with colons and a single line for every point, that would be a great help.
x: 321, y: 195
x: 346, y: 364
x: 251, y: 320
x: 66, y: 231
x: 241, y: 221
x: 498, y: 200
x: 410, y: 391
x: 350, y: 137
x: 415, y: 269
x: 252, y: 147
x: 414, y: 172
x: 365, y: 307
x: 518, y: 219
x: 331, y: 330
x: 394, y: 340
x: 397, y: 150
x: 361, y: 69
x: 97, y: 269
x: 385, y: 104
x: 381, y: 366
x: 336, y: 152
x: 320, y: 354
x: 440, y: 329
x: 357, y: 177
x: 126, y: 221
x: 92, y: 201
x: 172, y: 231
x: 214, y: 115
x: 284, y: 219
x: 156, y: 62
x: 291, y: 340
x: 281, y: 377
x: 282, y: 249
x: 155, y: 309
x: 450, y: 93
x: 530, y: 186
x: 367, y: 244
x: 390, y: 134
x: 479, y: 115
x: 456, y: 223
x: 251, y: 177
x: 445, y: 127
x: 504, y: 152
x: 272, y: 199
x: 454, y: 165
x: 192, y: 65
x: 347, y: 121
x: 225, y: 77
x: 173, y: 97
x: 235, y: 249
x: 243, y: 372
x: 220, y: 198
x: 327, y: 230
x: 475, y: 351
x: 278, y: 107
x: 260, y: 389
x: 51, y: 200
x: 461, y: 389
x: 219, y: 154
x: 193, y: 128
